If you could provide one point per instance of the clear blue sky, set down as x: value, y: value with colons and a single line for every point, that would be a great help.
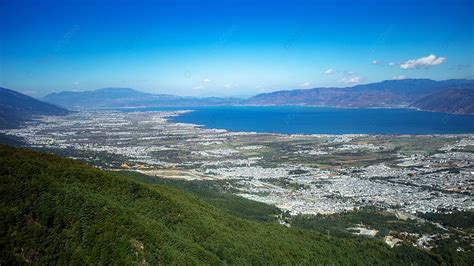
x: 230, y: 47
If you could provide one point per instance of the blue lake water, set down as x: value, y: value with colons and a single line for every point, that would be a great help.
x: 315, y: 120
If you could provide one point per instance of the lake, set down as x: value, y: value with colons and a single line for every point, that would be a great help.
x: 317, y: 120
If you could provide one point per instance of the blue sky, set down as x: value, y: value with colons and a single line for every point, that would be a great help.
x: 230, y: 47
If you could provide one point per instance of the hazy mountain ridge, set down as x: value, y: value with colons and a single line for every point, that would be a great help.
x: 389, y: 93
x: 16, y: 108
x: 126, y: 97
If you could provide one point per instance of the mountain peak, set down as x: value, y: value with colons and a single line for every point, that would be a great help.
x: 119, y: 90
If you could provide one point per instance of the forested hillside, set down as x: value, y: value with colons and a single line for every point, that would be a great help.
x: 56, y: 210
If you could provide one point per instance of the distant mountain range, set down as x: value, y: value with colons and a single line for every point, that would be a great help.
x: 419, y: 93
x: 125, y: 97
x: 451, y: 96
x: 455, y: 101
x: 16, y: 108
x: 389, y: 93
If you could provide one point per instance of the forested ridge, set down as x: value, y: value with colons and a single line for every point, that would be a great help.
x: 57, y: 210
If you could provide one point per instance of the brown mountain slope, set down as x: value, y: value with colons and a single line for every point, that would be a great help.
x: 455, y: 101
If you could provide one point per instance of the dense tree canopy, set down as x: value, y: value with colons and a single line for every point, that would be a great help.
x: 56, y: 210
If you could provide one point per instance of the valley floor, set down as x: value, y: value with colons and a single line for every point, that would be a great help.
x: 410, y: 176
